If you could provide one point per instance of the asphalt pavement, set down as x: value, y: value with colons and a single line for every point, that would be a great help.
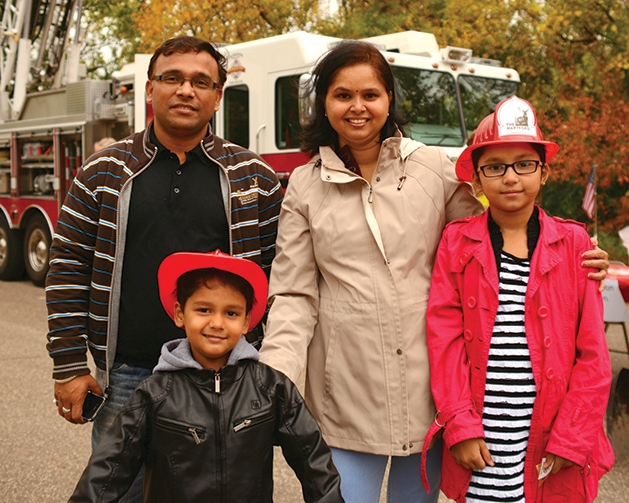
x: 42, y: 455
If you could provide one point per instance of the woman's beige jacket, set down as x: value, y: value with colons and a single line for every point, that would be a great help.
x: 349, y: 288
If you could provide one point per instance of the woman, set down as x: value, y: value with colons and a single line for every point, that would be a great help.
x: 358, y: 232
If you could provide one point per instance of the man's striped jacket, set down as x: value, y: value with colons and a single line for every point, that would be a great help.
x: 83, y: 284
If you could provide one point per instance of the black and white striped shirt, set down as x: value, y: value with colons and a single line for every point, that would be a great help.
x: 509, y: 393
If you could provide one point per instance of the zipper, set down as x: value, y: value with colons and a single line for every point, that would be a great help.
x: 228, y: 210
x: 260, y: 418
x: 242, y: 425
x: 196, y: 432
x: 217, y: 383
x: 113, y: 269
x: 193, y: 432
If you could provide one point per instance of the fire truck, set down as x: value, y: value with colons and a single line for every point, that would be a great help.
x: 50, y: 118
x: 51, y: 115
x: 445, y: 92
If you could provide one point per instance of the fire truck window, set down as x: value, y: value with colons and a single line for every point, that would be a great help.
x: 429, y: 101
x: 287, y: 112
x: 236, y: 106
x: 480, y: 96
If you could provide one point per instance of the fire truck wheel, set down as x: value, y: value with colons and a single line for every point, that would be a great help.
x: 11, y: 265
x: 37, y: 250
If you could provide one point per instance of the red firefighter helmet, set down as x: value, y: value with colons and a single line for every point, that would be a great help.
x: 513, y: 121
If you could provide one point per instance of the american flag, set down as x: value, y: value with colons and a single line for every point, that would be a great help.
x: 590, y: 195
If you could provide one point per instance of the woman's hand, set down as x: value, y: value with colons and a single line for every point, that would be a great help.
x: 596, y: 259
x: 472, y: 454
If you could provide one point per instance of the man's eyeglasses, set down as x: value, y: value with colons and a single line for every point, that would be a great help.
x: 198, y: 83
x: 520, y: 168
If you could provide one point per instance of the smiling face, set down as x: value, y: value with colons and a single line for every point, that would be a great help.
x: 357, y: 106
x: 214, y: 318
x: 183, y: 112
x: 511, y: 192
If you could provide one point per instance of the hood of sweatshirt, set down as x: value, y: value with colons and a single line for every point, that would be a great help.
x: 176, y: 355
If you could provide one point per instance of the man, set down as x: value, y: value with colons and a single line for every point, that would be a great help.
x: 173, y: 187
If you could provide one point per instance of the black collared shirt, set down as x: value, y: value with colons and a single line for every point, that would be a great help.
x: 173, y: 208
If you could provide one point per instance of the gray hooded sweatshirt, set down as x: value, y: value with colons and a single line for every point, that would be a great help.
x: 176, y: 355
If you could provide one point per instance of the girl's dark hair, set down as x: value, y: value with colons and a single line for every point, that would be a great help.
x: 539, y: 148
x: 191, y: 281
x: 185, y: 45
x: 318, y: 132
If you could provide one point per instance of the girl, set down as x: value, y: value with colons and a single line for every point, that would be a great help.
x: 520, y: 369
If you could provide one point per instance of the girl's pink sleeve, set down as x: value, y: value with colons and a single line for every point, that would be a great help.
x: 581, y: 414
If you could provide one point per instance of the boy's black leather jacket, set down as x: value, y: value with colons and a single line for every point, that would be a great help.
x: 206, y: 436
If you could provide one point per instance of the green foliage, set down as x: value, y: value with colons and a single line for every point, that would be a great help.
x: 612, y: 244
x: 571, y: 56
x: 109, y: 24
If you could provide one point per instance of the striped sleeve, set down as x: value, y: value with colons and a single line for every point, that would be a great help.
x: 78, y: 282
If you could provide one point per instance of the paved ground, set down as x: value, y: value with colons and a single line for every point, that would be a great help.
x: 42, y: 456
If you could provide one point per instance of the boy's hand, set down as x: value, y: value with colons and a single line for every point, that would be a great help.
x: 596, y: 259
x: 559, y: 462
x: 472, y: 454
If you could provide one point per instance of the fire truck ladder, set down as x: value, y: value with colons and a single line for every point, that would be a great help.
x: 35, y: 37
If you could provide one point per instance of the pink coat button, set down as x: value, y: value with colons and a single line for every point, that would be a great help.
x: 467, y: 334
x: 471, y: 302
x: 547, y: 342
x: 542, y: 311
x: 550, y: 373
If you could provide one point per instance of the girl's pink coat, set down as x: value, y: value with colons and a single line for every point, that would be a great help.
x: 569, y: 355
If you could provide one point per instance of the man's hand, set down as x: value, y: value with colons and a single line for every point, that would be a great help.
x: 472, y: 454
x: 596, y: 259
x: 70, y: 397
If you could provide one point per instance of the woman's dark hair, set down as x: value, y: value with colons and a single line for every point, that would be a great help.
x: 191, y: 281
x: 318, y: 132
x: 185, y: 45
x: 539, y: 148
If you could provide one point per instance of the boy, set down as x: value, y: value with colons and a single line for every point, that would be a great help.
x: 205, y: 422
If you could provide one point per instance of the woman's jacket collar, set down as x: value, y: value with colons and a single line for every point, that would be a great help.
x: 333, y: 169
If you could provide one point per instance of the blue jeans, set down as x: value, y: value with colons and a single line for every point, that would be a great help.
x: 123, y: 379
x: 362, y: 475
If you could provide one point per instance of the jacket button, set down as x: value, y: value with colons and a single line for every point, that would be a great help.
x: 404, y: 447
x: 550, y: 373
x: 377, y: 179
x: 547, y: 342
x: 463, y: 258
x: 471, y: 302
x: 176, y: 190
x: 399, y: 351
x: 328, y: 177
x: 542, y: 311
x: 410, y: 445
x: 467, y: 334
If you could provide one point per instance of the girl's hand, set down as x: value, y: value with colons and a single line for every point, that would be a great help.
x: 472, y: 454
x: 559, y: 462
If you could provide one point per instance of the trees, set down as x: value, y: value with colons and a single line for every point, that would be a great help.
x: 222, y: 21
x: 109, y: 24
x: 571, y: 55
